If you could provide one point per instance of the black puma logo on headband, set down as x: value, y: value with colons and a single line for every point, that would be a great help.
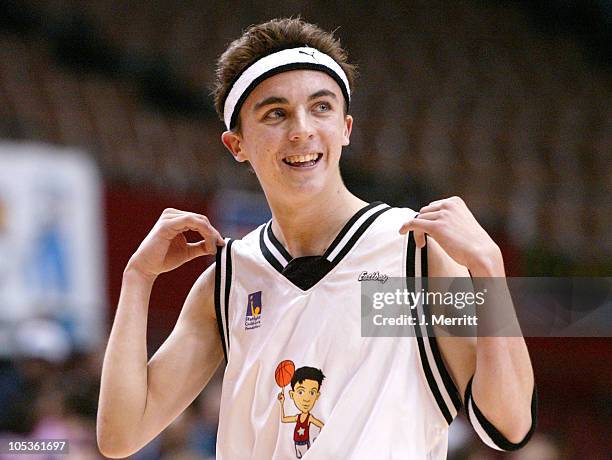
x: 312, y: 54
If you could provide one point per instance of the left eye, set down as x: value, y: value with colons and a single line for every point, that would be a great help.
x: 323, y: 107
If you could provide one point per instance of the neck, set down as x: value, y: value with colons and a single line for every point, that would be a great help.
x: 308, y: 226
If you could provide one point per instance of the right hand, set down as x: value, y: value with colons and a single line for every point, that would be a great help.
x: 281, y: 397
x: 166, y: 248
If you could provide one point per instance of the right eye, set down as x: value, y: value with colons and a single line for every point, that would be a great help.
x: 274, y: 114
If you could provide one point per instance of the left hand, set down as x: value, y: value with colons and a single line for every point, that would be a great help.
x: 453, y: 226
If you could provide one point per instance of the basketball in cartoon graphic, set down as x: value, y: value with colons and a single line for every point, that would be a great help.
x: 284, y: 373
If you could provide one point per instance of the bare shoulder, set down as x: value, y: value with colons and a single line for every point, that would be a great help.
x: 199, y: 305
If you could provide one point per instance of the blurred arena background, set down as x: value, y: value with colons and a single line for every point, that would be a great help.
x: 106, y: 119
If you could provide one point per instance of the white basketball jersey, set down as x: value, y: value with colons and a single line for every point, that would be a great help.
x: 380, y: 398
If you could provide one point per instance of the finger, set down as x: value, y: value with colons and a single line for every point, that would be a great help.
x: 171, y: 228
x: 431, y: 215
x: 404, y: 228
x: 433, y: 206
x: 209, y: 244
x: 200, y: 249
x: 175, y: 215
x: 419, y: 238
x: 215, y: 233
x: 196, y: 250
x: 216, y: 242
x: 170, y: 212
x: 424, y: 225
x: 197, y: 223
x: 444, y: 201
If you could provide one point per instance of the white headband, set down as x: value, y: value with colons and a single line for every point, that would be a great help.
x: 272, y: 64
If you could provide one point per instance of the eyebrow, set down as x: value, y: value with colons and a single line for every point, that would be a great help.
x: 271, y: 100
x: 281, y: 100
x: 321, y: 93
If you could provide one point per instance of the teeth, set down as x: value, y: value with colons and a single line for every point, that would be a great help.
x: 302, y: 158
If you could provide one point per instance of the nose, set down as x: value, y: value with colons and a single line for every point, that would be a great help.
x: 301, y: 127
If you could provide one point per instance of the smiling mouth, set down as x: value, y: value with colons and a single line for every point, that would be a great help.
x: 303, y: 161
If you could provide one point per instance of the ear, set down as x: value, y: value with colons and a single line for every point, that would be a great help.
x: 233, y: 143
x: 291, y: 394
x: 348, y: 128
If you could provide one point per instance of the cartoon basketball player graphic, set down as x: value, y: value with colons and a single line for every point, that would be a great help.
x: 305, y: 390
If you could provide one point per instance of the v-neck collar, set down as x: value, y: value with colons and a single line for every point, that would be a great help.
x: 276, y: 254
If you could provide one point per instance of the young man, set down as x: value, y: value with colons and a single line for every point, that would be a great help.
x: 283, y: 91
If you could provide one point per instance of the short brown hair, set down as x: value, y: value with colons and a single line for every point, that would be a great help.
x: 262, y: 39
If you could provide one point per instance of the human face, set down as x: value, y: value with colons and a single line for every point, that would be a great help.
x: 289, y: 118
x: 305, y: 395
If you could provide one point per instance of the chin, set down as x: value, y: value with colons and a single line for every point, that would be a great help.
x: 310, y: 188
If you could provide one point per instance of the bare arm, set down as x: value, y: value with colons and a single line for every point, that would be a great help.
x: 503, y: 378
x: 139, y: 399
x: 316, y: 421
x: 284, y: 418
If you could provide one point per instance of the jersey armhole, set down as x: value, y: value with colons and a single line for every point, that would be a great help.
x: 439, y: 381
x: 487, y: 432
x: 223, y: 281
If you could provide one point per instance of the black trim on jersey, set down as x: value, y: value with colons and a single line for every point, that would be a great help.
x: 496, y: 436
x: 348, y: 226
x: 228, y: 283
x: 431, y: 380
x: 410, y: 257
x: 266, y: 252
x: 317, y: 266
x: 218, y: 298
x: 277, y: 244
x: 351, y: 242
x: 424, y: 261
x: 438, y: 362
x: 451, y: 388
x: 411, y: 268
